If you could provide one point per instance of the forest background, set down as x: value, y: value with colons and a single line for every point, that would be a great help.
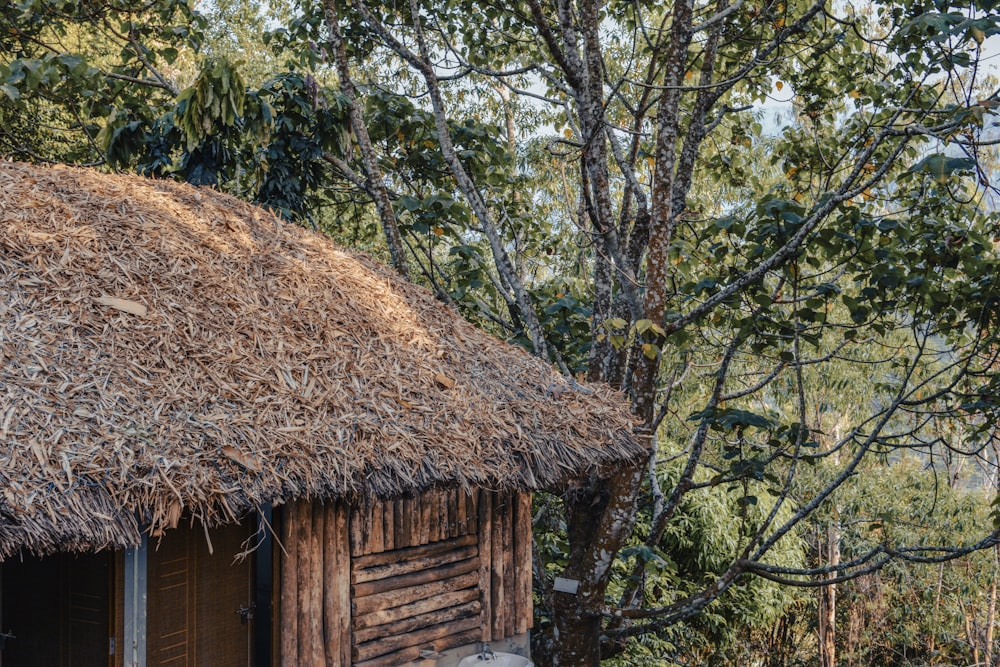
x: 801, y: 310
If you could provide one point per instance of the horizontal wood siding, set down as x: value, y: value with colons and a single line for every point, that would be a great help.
x: 415, y: 583
x: 375, y: 584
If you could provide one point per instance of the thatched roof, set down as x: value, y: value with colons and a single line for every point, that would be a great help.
x: 168, y: 350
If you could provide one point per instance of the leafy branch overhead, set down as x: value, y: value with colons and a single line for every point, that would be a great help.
x: 771, y: 224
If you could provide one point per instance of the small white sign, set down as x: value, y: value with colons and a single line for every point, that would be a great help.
x: 566, y: 585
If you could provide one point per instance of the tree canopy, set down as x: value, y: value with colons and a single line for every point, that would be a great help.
x: 771, y: 223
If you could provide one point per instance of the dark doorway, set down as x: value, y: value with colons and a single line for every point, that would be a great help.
x: 200, y: 605
x: 58, y: 610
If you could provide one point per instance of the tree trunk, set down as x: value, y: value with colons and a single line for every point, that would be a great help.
x: 577, y: 633
x: 991, y: 613
x: 374, y: 181
x: 600, y: 515
x: 828, y: 604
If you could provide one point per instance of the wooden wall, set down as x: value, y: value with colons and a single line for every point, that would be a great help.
x: 377, y: 584
x: 314, y: 597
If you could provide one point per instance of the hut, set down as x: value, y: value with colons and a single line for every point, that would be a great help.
x: 227, y: 441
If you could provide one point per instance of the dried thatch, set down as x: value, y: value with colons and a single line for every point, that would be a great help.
x: 167, y: 350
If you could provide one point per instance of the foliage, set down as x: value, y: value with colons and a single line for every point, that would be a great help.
x: 789, y: 307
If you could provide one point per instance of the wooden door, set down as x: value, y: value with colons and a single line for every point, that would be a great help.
x: 58, y: 609
x: 195, y: 597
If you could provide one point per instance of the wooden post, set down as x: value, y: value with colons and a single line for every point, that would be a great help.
x: 461, y: 514
x: 357, y: 532
x: 343, y: 581
x: 424, y: 521
x: 509, y: 574
x: 523, y: 605
x: 447, y: 513
x: 485, y: 560
x: 331, y: 611
x: 499, y: 599
x: 411, y: 521
x: 315, y: 611
x: 472, y: 511
x: 304, y: 581
x: 389, y: 524
x: 376, y: 541
x: 401, y: 520
x: 289, y: 587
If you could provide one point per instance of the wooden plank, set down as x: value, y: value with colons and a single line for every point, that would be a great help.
x: 383, y: 616
x: 497, y: 597
x: 342, y: 547
x: 439, y: 517
x: 409, y: 505
x: 376, y: 542
x: 485, y: 508
x: 523, y: 605
x: 365, y: 514
x: 420, y: 637
x: 315, y: 616
x: 428, y: 517
x: 412, y: 623
x: 461, y: 514
x: 400, y: 555
x: 331, y: 610
x: 288, y: 612
x: 424, y: 521
x: 389, y: 525
x: 413, y: 565
x: 303, y: 581
x: 473, y: 512
x: 357, y: 533
x: 446, y: 513
x: 510, y: 576
x: 416, y: 578
x: 397, y: 598
x: 412, y: 653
